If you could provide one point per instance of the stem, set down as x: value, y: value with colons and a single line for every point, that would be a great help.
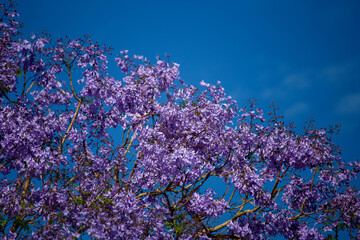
x: 32, y: 84
x: 237, y: 215
x: 71, y: 82
x: 26, y: 186
x: 71, y: 124
x: 24, y: 83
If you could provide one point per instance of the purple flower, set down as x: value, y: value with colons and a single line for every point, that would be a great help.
x: 130, y: 158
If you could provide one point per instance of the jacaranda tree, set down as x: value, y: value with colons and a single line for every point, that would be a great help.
x: 143, y: 155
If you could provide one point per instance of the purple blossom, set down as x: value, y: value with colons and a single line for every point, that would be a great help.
x: 85, y: 153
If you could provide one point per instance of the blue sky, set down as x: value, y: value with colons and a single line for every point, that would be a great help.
x: 303, y: 54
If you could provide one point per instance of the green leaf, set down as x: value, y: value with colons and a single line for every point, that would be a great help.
x: 22, y: 204
x: 18, y: 72
x: 3, y: 221
x: 78, y: 201
x: 22, y: 223
x: 4, y: 88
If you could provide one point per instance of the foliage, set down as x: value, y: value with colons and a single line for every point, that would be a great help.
x: 85, y: 154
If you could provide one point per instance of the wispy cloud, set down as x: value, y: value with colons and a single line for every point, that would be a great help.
x: 344, y: 72
x: 334, y: 72
x: 289, y: 84
x: 349, y: 104
x: 297, y: 80
x: 296, y: 110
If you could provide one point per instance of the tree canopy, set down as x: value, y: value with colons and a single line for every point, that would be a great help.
x: 144, y: 155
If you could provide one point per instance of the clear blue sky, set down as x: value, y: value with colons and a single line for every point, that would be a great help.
x: 303, y: 54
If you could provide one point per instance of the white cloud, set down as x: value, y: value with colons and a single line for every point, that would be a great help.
x: 349, y: 104
x: 296, y: 81
x: 271, y: 93
x: 290, y: 84
x: 347, y: 71
x: 296, y: 110
x: 333, y: 72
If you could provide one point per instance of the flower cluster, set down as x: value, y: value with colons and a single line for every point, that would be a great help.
x: 85, y: 153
